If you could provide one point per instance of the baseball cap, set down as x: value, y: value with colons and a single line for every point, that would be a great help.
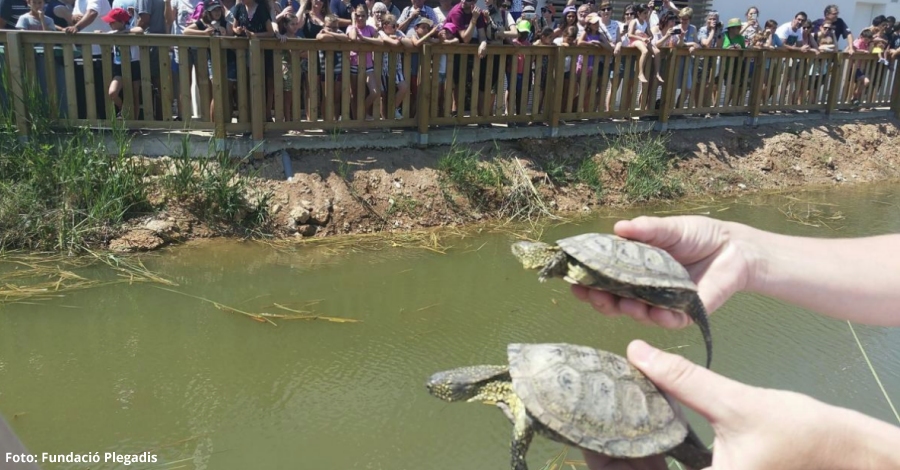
x: 117, y: 14
x: 523, y: 26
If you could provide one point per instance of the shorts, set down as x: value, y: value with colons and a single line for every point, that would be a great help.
x: 354, y: 69
x: 858, y: 75
x: 442, y: 78
x: 135, y: 70
x: 398, y: 78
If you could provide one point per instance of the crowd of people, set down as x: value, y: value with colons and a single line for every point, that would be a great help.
x: 647, y: 28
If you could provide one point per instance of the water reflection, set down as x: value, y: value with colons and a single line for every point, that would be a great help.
x: 136, y: 368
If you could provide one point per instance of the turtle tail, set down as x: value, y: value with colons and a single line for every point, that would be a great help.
x: 697, y: 312
x: 692, y: 452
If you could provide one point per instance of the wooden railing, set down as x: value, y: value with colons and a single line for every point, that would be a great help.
x: 556, y: 84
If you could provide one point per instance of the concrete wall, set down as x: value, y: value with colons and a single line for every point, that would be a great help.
x: 857, y: 14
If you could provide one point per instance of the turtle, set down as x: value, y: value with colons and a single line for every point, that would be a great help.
x: 579, y: 396
x: 624, y: 267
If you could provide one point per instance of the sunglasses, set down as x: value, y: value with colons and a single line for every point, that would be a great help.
x: 606, y: 9
x: 629, y: 13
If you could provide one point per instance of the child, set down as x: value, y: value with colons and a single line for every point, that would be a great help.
x: 862, y: 44
x: 34, y: 20
x: 121, y: 22
x: 391, y: 35
x: 214, y: 22
x: 523, y: 83
x: 331, y: 32
x: 447, y: 34
x: 568, y: 38
x: 641, y: 40
x: 546, y: 39
x: 359, y: 31
x: 288, y: 27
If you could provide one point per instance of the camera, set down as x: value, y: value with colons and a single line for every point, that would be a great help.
x: 657, y: 5
x: 718, y: 25
x: 676, y: 30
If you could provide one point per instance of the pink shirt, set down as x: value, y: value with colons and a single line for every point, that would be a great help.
x: 368, y: 32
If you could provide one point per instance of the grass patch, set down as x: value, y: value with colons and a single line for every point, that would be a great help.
x: 647, y: 164
x: 569, y: 170
x: 480, y: 182
x: 61, y: 190
x: 215, y: 190
x: 403, y: 204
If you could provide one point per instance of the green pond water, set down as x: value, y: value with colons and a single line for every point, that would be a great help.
x: 134, y: 368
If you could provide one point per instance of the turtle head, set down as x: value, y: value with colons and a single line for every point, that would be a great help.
x: 534, y: 255
x: 464, y: 383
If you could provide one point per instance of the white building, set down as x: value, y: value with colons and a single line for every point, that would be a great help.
x: 856, y: 14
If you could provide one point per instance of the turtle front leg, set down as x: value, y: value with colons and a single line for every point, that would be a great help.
x: 523, y: 432
x: 557, y: 266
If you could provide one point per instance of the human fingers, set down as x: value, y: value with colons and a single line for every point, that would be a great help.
x: 668, y: 319
x: 663, y: 232
x: 603, y: 302
x: 713, y: 396
x: 597, y: 461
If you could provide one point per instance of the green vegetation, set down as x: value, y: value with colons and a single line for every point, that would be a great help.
x: 478, y: 181
x: 566, y: 170
x: 60, y: 190
x: 215, y: 190
x: 647, y: 164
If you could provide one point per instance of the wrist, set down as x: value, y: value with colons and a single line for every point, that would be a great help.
x: 868, y: 443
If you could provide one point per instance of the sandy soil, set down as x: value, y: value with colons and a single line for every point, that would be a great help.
x: 364, y: 191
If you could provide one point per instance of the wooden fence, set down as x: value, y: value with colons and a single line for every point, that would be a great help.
x: 274, y: 87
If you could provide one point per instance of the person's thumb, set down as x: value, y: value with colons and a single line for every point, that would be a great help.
x: 662, y: 232
x: 698, y: 388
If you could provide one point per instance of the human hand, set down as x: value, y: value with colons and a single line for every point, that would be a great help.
x: 759, y: 428
x: 71, y: 30
x: 717, y: 258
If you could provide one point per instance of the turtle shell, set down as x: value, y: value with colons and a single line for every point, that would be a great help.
x: 627, y: 262
x: 594, y: 399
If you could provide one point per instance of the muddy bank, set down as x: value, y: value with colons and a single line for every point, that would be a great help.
x: 365, y: 191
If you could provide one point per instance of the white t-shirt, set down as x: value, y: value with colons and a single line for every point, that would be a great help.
x: 568, y: 59
x: 102, y: 7
x: 612, y: 31
x: 789, y: 36
x: 183, y: 11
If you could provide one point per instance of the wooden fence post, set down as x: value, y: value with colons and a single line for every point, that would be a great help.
x: 423, y: 110
x: 16, y: 79
x: 219, y: 93
x: 759, y: 77
x: 668, y: 94
x: 895, y: 92
x: 836, y: 72
x: 556, y: 90
x: 257, y: 84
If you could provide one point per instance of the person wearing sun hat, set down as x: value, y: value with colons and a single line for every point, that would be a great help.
x: 733, y: 39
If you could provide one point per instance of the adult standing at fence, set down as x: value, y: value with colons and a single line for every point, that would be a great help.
x: 411, y: 14
x: 88, y: 15
x: 10, y: 11
x: 838, y: 26
x: 60, y: 11
x: 343, y: 9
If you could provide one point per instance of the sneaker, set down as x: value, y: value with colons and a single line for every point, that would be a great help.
x: 398, y: 114
x: 883, y: 61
